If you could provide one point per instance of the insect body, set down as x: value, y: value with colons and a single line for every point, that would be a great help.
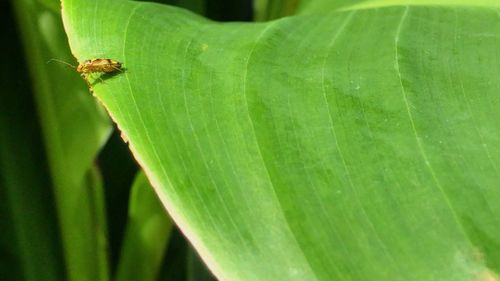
x: 99, y: 65
x: 92, y: 66
x: 89, y: 67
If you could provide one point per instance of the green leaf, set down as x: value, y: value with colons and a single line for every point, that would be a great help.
x: 273, y: 9
x: 196, y: 269
x: 74, y: 128
x: 26, y: 203
x: 175, y: 264
x: 352, y: 144
x: 197, y: 6
x: 148, y: 230
x: 322, y: 6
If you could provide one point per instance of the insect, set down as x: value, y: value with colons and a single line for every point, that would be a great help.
x: 98, y: 65
x: 92, y: 66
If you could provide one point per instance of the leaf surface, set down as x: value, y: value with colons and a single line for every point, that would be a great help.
x: 351, y: 144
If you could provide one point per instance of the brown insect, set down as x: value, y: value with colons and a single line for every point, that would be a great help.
x: 98, y: 65
x: 92, y: 66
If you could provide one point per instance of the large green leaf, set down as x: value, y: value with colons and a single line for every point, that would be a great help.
x: 352, y: 144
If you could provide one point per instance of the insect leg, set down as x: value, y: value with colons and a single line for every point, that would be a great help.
x: 85, y: 77
x: 100, y: 79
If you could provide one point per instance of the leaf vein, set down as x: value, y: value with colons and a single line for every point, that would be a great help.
x: 420, y: 146
x: 245, y: 100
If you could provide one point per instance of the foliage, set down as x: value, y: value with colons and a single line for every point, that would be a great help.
x: 349, y: 140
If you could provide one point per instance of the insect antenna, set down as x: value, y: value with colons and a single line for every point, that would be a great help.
x: 61, y: 61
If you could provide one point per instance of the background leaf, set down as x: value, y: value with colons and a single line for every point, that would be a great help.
x: 273, y: 9
x: 25, y: 195
x: 73, y: 128
x: 351, y: 144
x: 148, y: 231
x: 196, y: 269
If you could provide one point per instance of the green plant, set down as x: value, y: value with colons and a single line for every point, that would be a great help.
x: 341, y: 140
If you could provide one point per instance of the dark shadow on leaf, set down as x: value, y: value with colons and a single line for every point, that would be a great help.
x: 105, y: 76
